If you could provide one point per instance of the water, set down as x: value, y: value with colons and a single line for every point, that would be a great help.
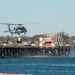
x: 39, y: 65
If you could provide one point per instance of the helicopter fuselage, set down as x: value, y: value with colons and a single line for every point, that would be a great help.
x: 18, y: 30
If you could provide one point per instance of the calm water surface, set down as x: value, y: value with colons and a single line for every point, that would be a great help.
x: 39, y: 66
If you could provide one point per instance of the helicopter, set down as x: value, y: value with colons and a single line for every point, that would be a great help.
x: 16, y: 30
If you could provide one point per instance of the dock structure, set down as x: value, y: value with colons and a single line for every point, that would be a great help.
x: 24, y: 51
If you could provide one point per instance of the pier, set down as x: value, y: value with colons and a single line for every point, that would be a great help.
x: 28, y: 51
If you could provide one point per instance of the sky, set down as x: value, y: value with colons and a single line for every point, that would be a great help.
x: 48, y: 16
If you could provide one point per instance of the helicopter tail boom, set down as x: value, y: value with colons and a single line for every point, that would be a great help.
x: 6, y: 31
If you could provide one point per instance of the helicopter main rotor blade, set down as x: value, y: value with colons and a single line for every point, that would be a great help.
x: 31, y: 23
x: 10, y: 24
x: 7, y: 24
x: 4, y: 23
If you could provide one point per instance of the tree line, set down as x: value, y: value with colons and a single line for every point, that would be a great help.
x: 4, y: 39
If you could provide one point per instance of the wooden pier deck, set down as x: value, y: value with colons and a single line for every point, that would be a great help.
x: 22, y: 51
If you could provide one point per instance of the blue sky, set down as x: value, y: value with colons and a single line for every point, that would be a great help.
x: 53, y: 15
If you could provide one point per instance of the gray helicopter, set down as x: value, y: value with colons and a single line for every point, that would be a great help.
x: 16, y: 30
